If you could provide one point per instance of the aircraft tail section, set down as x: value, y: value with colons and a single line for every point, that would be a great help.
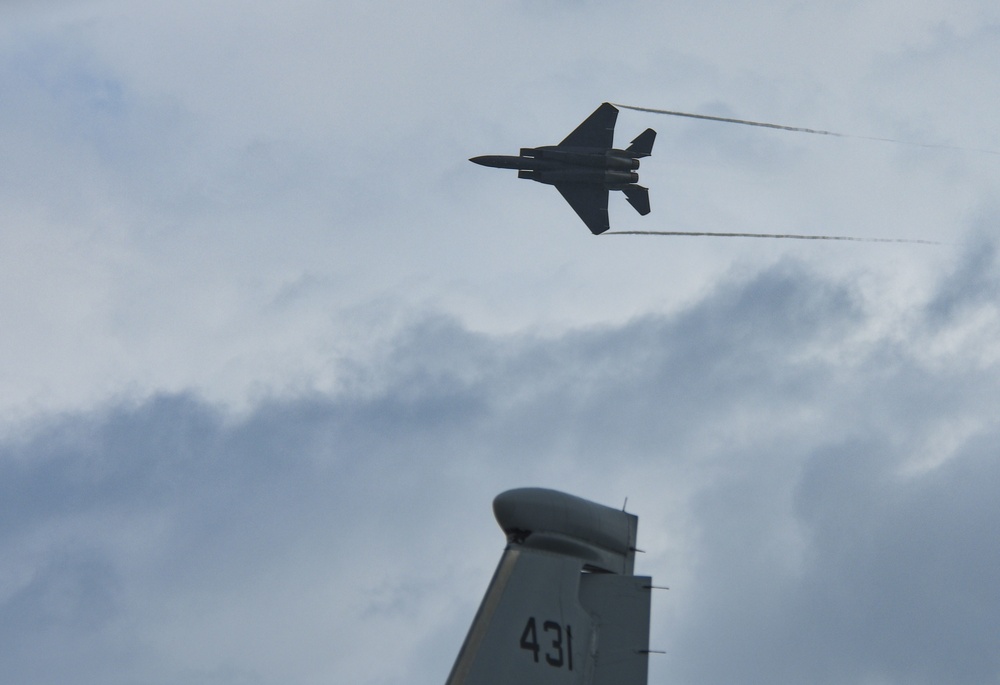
x: 638, y: 197
x: 563, y: 607
x: 642, y: 146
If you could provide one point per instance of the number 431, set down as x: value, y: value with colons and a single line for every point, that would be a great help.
x: 556, y: 654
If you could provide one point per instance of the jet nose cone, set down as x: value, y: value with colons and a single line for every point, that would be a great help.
x: 499, y: 161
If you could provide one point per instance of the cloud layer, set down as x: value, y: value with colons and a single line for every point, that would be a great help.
x: 818, y: 497
x: 271, y: 344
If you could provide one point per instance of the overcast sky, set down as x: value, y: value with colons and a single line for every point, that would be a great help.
x: 271, y: 344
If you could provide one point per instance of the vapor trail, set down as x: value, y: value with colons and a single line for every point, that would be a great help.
x: 800, y: 129
x: 789, y: 236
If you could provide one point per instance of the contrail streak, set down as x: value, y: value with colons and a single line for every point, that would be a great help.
x: 800, y: 129
x: 789, y: 236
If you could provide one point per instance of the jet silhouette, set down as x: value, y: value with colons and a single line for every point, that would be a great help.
x: 585, y: 166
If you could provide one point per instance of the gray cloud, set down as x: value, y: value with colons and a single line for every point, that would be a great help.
x: 171, y: 174
x: 271, y: 344
x: 778, y: 464
x: 973, y: 284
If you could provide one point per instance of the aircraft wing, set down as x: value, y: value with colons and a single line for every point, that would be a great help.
x: 590, y: 201
x: 597, y: 130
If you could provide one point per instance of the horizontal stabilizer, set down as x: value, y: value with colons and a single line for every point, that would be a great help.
x: 638, y: 197
x: 642, y: 146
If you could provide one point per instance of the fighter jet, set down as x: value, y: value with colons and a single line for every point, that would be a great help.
x: 585, y: 166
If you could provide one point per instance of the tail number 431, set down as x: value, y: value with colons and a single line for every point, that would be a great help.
x: 556, y: 645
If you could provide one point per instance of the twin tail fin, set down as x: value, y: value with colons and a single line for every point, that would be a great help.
x: 642, y: 146
x: 564, y: 607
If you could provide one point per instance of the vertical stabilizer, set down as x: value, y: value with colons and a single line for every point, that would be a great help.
x: 563, y: 607
x: 642, y: 146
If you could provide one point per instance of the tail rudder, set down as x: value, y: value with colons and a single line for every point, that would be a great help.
x: 563, y: 607
x: 642, y: 146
